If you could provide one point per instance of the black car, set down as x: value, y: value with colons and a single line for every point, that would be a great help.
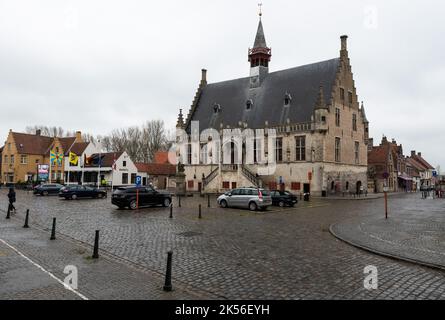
x: 134, y: 197
x: 283, y: 198
x: 78, y: 191
x: 47, y: 189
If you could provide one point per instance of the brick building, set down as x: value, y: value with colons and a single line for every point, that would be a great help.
x: 22, y: 153
x: 321, y: 129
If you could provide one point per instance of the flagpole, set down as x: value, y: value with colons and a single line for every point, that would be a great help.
x: 50, y: 168
x: 100, y: 162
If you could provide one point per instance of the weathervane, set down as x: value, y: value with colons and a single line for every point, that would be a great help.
x: 261, y: 13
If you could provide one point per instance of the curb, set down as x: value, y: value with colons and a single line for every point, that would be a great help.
x: 385, y: 254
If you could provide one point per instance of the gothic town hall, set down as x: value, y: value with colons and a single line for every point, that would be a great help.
x: 321, y: 129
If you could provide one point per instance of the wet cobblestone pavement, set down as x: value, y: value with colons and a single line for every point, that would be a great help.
x: 236, y: 254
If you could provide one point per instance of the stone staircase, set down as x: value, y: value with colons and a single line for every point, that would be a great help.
x: 250, y: 176
x: 212, y: 175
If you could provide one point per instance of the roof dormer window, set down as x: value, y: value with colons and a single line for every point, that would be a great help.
x: 216, y: 108
x: 249, y: 104
x: 287, y: 99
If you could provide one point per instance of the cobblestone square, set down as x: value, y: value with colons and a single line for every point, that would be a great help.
x: 228, y: 254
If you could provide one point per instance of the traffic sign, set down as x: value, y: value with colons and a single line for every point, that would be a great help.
x: 434, y: 173
x: 138, y: 181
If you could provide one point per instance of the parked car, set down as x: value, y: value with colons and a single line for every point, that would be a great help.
x: 78, y: 191
x: 134, y: 197
x: 47, y: 189
x: 251, y: 198
x: 283, y: 198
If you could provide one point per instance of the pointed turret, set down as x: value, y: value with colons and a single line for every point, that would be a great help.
x: 320, y: 104
x: 362, y: 110
x: 180, y: 122
x: 259, y: 57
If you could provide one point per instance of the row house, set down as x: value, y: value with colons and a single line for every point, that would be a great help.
x: 23, y: 154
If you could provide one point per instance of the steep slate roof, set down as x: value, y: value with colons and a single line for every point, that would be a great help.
x: 260, y: 39
x: 31, y: 143
x: 302, y: 83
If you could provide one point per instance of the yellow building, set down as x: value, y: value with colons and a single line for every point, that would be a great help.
x: 23, y: 153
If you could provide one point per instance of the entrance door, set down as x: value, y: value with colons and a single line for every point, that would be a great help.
x: 359, y: 185
x: 199, y: 186
x: 307, y: 188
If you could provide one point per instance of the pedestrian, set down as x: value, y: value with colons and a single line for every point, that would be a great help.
x: 12, y: 199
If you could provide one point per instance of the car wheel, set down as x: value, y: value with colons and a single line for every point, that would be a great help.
x: 253, y: 206
x: 133, y: 205
x: 167, y: 202
x: 73, y: 197
x: 100, y: 195
x: 223, y: 204
x: 281, y: 204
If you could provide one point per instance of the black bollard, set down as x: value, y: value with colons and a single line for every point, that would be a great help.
x: 208, y: 201
x: 96, y: 246
x: 171, y: 210
x: 26, y: 219
x: 53, y: 231
x: 168, y: 273
x: 200, y: 216
x: 8, y: 214
x: 179, y: 201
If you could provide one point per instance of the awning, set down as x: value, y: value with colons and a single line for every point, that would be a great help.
x: 406, y: 178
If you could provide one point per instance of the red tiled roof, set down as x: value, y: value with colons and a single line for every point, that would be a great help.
x: 78, y: 148
x: 422, y: 161
x: 156, y: 168
x: 67, y: 142
x: 378, y: 155
x: 31, y: 143
x: 162, y: 156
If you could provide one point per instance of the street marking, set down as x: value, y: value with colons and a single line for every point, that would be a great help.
x: 44, y: 270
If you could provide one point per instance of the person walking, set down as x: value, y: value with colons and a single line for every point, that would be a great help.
x: 12, y: 199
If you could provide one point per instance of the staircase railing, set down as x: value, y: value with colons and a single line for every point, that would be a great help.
x: 250, y: 175
x: 212, y: 175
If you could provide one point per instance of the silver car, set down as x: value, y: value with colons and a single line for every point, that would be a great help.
x: 251, y: 198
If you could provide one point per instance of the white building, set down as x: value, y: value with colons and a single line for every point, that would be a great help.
x: 113, y: 168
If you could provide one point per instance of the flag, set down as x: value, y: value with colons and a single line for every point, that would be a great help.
x: 73, y: 158
x: 56, y: 157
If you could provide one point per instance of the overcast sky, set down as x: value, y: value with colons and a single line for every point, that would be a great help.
x: 98, y: 65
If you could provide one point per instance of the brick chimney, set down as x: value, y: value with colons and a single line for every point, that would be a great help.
x: 38, y: 132
x: 344, y: 42
x: 204, y: 76
x: 419, y: 154
x: 413, y: 153
x: 78, y: 136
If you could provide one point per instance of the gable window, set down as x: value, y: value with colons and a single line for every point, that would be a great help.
x: 23, y: 159
x: 356, y: 152
x: 342, y: 94
x: 354, y: 122
x: 249, y: 104
x: 124, y: 164
x: 124, y: 178
x: 12, y: 159
x: 279, y: 150
x: 337, y: 150
x: 216, y: 108
x: 350, y: 97
x: 287, y: 99
x: 337, y: 117
x: 300, y: 148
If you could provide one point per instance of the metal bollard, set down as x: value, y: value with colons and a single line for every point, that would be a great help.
x: 179, y: 201
x: 168, y: 273
x: 53, y: 231
x: 208, y: 201
x: 96, y: 246
x: 26, y: 219
x: 171, y: 210
x: 199, y: 209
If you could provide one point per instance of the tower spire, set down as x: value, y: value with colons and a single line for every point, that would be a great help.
x: 259, y: 55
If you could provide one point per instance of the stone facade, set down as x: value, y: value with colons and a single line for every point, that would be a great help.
x: 335, y: 134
